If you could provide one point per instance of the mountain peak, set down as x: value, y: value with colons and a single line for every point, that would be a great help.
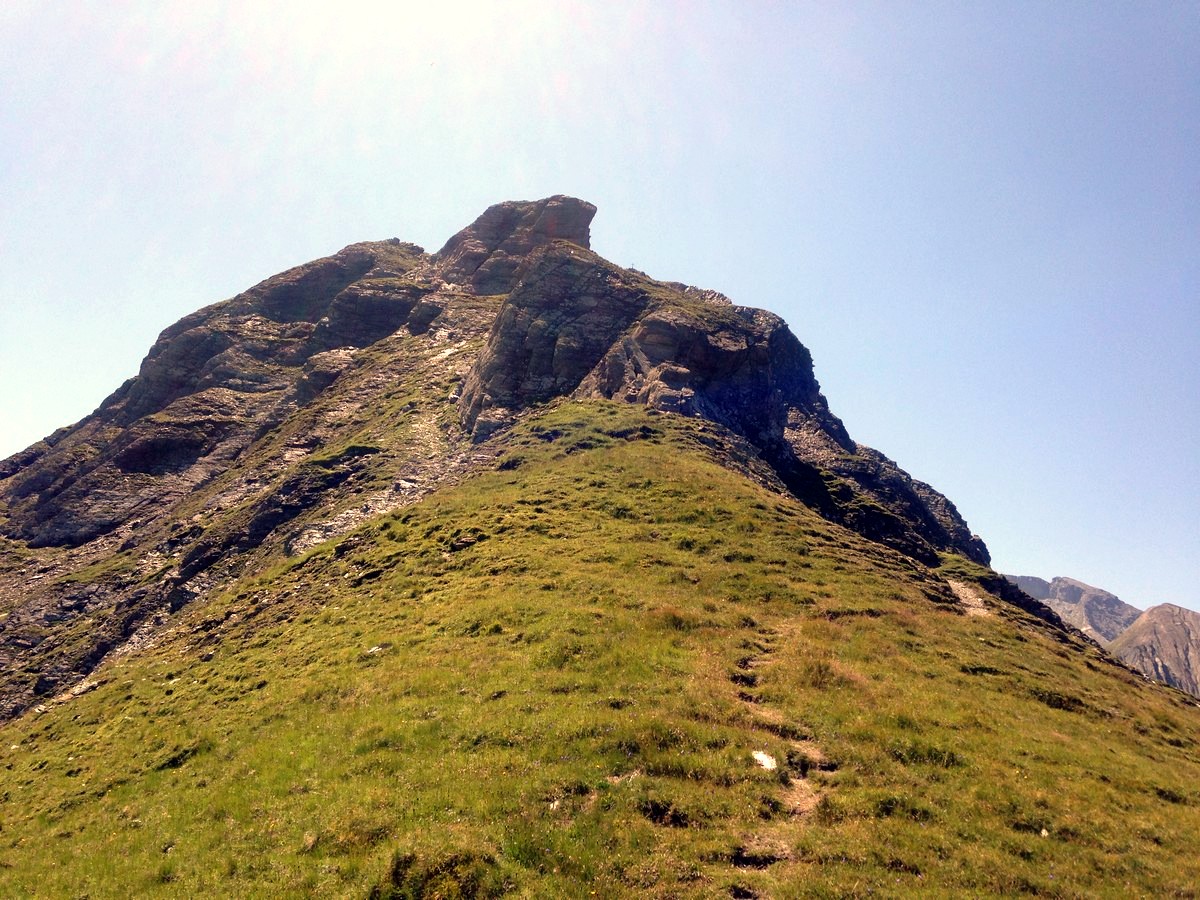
x: 358, y: 383
x: 1164, y: 643
x: 514, y: 524
x: 1099, y: 614
x: 488, y: 252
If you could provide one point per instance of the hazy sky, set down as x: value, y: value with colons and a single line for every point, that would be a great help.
x: 983, y: 219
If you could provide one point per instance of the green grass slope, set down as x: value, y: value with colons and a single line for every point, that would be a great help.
x: 553, y: 681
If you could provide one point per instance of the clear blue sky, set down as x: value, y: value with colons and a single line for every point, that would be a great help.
x: 983, y: 219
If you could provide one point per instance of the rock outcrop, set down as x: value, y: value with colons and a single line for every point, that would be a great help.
x: 208, y: 387
x: 359, y: 382
x: 576, y: 325
x: 487, y: 253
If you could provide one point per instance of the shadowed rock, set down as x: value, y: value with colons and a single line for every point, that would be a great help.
x: 576, y: 325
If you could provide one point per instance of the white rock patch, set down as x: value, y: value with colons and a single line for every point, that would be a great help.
x: 766, y: 760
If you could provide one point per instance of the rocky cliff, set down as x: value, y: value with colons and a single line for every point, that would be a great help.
x: 1097, y: 613
x: 1164, y: 643
x: 357, y: 383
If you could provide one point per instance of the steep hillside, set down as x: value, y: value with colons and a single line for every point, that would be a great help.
x: 610, y: 664
x: 1097, y: 613
x: 1164, y: 642
x: 358, y: 383
x: 507, y: 570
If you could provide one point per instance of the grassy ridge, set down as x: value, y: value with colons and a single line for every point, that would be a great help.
x: 553, y: 680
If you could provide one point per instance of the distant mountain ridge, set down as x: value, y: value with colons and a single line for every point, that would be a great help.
x: 1163, y: 642
x: 1097, y: 613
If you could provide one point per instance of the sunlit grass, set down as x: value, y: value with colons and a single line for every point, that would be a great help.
x: 551, y: 680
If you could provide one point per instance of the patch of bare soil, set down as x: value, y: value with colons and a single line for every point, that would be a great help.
x: 970, y: 597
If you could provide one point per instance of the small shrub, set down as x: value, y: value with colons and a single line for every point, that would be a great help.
x: 980, y: 670
x: 822, y: 673
x: 663, y: 812
x: 467, y: 874
x: 829, y: 811
x: 738, y: 556
x: 920, y: 753
x: 1058, y: 700
x: 901, y: 806
x: 1170, y: 795
x: 674, y: 618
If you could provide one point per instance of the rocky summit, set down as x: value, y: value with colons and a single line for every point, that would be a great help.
x: 256, y: 424
x: 505, y: 570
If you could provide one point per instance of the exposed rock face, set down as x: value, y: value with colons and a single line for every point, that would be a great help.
x: 1097, y: 613
x: 487, y: 253
x: 207, y: 387
x: 564, y: 312
x: 576, y: 325
x: 357, y: 383
x: 1037, y: 588
x: 1164, y: 643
